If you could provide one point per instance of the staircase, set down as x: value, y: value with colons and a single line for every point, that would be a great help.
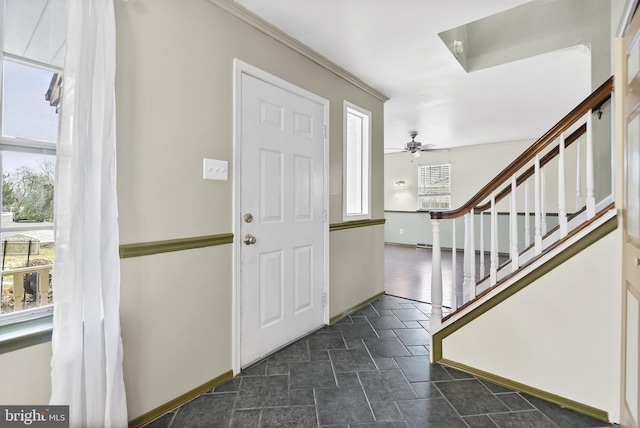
x: 536, y: 191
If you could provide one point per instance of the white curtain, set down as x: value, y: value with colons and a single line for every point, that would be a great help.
x: 87, y: 346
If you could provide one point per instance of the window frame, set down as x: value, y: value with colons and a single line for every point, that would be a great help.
x: 365, y: 163
x: 10, y: 323
x: 433, y: 195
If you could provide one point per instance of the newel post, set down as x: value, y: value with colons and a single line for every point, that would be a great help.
x: 436, y: 279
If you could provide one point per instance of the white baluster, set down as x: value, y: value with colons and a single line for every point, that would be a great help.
x: 472, y: 248
x: 579, y: 175
x: 543, y: 203
x: 562, y: 209
x: 454, y: 274
x: 466, y: 285
x: 436, y: 278
x: 493, y: 258
x: 482, y: 271
x: 591, y: 200
x: 527, y: 226
x: 513, y: 231
x: 537, y: 232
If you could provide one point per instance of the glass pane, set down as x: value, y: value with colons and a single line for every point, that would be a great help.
x: 27, y: 230
x: 434, y: 202
x: 354, y: 164
x: 27, y: 187
x: 27, y: 260
x: 26, y: 112
x: 36, y: 29
x: 633, y: 178
x: 434, y: 179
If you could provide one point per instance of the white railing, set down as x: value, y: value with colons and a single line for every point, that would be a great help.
x: 42, y: 283
x: 551, y: 157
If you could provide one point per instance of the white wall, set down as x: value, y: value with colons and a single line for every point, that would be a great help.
x: 560, y: 334
x: 471, y: 168
x: 175, y: 99
x: 357, y: 264
x: 26, y: 375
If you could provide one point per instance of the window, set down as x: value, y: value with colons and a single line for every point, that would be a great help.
x: 30, y: 83
x: 357, y: 163
x: 434, y: 186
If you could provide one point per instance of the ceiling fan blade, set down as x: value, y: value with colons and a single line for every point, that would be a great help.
x: 436, y: 149
x: 389, y: 150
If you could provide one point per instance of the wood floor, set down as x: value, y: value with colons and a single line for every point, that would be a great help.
x: 408, y: 273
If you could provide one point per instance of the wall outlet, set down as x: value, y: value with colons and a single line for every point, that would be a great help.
x: 401, y: 231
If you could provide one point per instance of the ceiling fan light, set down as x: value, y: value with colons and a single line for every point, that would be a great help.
x: 416, y: 154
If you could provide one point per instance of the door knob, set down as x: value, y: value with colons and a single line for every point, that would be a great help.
x: 249, y: 239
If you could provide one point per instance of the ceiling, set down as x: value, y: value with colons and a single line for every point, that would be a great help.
x: 394, y: 46
x: 36, y: 29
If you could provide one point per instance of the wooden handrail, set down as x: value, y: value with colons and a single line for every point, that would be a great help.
x: 593, y: 101
x: 529, y: 172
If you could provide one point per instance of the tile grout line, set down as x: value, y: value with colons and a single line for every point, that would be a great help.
x: 541, y: 412
x: 366, y: 396
x: 381, y: 385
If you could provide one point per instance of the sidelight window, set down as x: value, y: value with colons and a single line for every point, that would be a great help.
x: 357, y: 163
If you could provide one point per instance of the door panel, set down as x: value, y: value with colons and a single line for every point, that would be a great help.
x: 303, y: 284
x: 271, y: 288
x: 303, y: 177
x: 271, y: 186
x: 631, y: 355
x: 282, y: 185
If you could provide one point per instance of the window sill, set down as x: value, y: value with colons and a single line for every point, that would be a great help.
x: 25, y: 333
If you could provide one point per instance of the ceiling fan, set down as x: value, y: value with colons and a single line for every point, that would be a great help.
x: 415, y: 147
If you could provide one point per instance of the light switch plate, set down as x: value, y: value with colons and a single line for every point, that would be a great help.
x: 215, y: 169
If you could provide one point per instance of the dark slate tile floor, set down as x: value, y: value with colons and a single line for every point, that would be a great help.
x: 370, y: 369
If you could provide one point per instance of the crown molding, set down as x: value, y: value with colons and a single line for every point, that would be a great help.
x: 260, y: 24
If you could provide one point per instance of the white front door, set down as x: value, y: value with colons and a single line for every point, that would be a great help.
x: 282, y: 232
